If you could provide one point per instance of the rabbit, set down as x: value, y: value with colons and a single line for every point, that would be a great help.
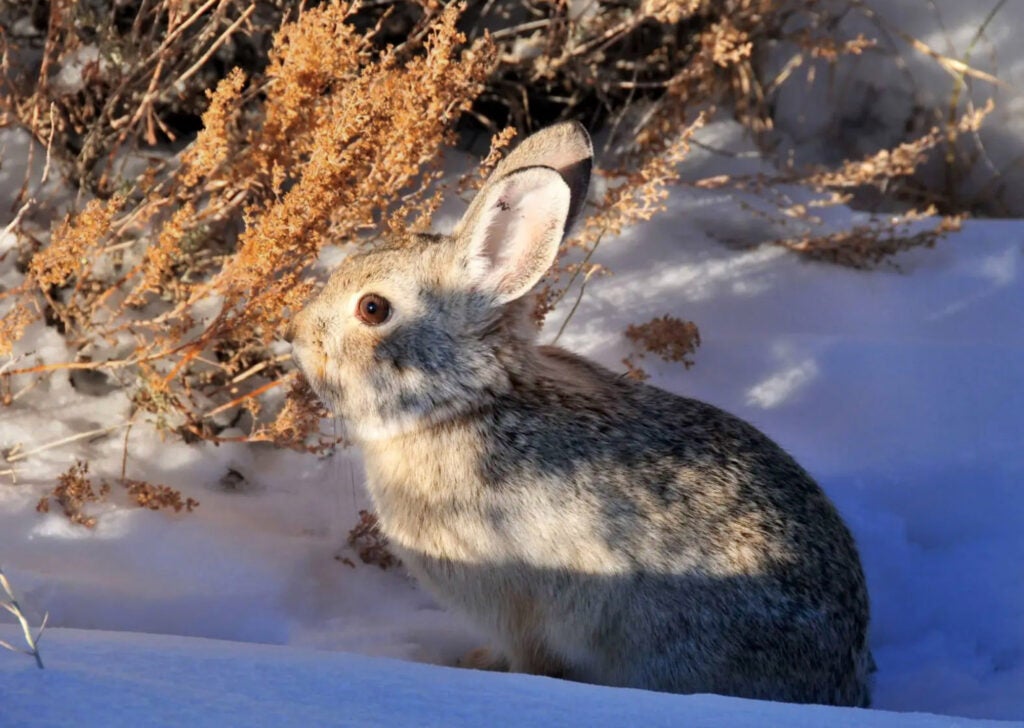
x: 598, y: 529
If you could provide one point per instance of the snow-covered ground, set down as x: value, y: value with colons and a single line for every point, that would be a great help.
x: 116, y: 679
x: 899, y: 390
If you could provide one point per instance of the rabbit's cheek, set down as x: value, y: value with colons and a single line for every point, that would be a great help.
x: 312, y: 362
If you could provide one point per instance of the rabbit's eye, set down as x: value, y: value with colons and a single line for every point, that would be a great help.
x: 373, y: 309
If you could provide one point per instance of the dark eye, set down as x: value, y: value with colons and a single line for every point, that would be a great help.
x: 373, y: 309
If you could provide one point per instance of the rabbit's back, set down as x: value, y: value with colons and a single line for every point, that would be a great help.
x: 637, y: 538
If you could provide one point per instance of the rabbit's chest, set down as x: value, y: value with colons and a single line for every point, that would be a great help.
x: 429, y: 501
x: 438, y: 510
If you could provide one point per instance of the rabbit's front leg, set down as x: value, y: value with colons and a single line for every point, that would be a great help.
x: 532, y: 658
x: 524, y: 622
x: 484, y: 658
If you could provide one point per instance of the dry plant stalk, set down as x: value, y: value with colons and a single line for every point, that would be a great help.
x: 32, y: 640
x: 189, y: 277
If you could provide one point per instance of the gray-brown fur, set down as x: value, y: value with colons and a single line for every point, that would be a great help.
x: 598, y: 529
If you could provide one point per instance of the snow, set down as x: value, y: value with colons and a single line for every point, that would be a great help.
x: 898, y: 389
x: 114, y: 679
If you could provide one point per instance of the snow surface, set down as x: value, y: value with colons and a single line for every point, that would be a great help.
x: 116, y: 679
x: 898, y: 389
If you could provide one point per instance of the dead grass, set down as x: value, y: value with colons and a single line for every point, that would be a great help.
x: 177, y: 281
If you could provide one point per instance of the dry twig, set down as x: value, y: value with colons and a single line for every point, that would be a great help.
x: 32, y: 640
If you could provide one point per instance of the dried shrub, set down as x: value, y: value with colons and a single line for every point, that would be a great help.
x: 370, y: 543
x: 667, y: 337
x: 861, y: 246
x: 867, y: 246
x: 962, y: 174
x: 91, y: 79
x: 602, y: 60
x: 177, y: 282
x: 190, y: 276
x: 158, y: 497
x: 696, y: 55
x: 75, y: 490
x: 301, y: 414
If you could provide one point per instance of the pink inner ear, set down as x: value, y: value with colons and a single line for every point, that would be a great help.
x: 527, y: 246
x: 517, y: 235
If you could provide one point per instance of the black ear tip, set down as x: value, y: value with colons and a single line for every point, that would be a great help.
x: 581, y: 130
x: 577, y: 176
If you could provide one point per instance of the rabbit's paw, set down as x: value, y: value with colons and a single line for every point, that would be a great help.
x: 484, y: 658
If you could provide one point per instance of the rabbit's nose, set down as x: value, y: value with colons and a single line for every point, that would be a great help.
x: 289, y: 332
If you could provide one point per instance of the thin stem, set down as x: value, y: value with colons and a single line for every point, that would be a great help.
x: 250, y: 395
x: 572, y: 311
x: 14, y: 608
x: 576, y: 273
x: 65, y: 441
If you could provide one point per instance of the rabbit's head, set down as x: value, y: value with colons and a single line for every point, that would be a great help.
x: 428, y: 327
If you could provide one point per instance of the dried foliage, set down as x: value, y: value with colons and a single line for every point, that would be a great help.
x: 328, y: 128
x: 75, y: 491
x: 158, y: 497
x: 188, y: 277
x: 669, y: 338
x: 862, y: 246
x: 867, y: 246
x: 594, y: 61
x: 110, y: 76
x: 370, y: 543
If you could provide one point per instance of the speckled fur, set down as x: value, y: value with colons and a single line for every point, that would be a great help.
x: 599, y: 529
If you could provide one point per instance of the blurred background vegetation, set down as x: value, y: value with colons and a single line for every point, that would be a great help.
x: 190, y: 159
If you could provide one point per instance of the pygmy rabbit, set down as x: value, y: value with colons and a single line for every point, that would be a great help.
x: 598, y: 529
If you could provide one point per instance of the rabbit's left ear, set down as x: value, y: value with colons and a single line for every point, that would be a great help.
x: 517, y: 221
x: 515, y: 235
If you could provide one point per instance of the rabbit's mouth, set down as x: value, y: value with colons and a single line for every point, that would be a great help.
x: 312, y: 364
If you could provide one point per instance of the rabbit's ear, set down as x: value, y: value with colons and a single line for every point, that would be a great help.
x: 563, y: 147
x: 514, y: 236
x: 516, y: 222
